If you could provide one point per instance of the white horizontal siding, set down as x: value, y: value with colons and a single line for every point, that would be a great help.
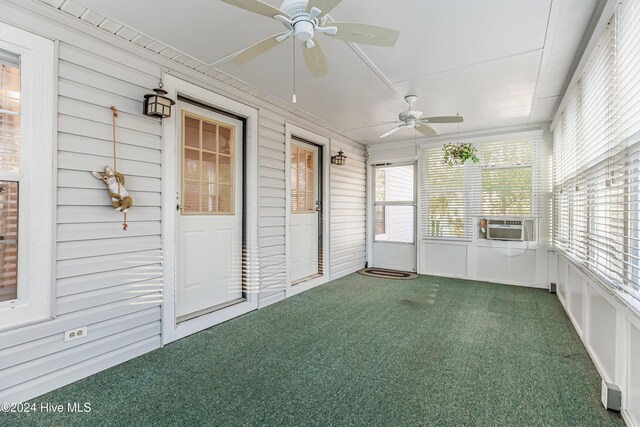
x: 348, y: 205
x: 110, y: 280
x: 107, y: 279
x: 272, y: 212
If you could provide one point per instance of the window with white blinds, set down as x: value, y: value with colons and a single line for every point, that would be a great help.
x: 597, y: 158
x: 445, y: 198
x: 506, y: 183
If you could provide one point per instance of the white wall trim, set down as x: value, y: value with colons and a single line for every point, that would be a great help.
x: 171, y: 331
x: 37, y: 177
x: 590, y: 292
x: 325, y: 144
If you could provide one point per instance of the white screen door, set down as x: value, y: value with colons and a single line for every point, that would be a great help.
x: 209, y: 220
x: 394, y: 217
x: 305, y: 212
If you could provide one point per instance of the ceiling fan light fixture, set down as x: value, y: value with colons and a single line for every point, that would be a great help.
x: 303, y: 29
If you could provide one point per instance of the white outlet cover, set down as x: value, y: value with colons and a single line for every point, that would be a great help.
x: 74, y: 334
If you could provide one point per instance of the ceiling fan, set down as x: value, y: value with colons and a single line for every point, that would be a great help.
x: 302, y: 19
x: 413, y: 119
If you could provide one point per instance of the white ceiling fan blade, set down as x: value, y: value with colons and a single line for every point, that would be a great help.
x: 443, y: 119
x: 394, y: 130
x: 325, y: 6
x: 370, y: 125
x: 257, y: 6
x: 315, y: 60
x: 255, y: 49
x: 426, y: 130
x: 365, y: 34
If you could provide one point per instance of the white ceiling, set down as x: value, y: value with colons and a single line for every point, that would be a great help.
x: 498, y: 63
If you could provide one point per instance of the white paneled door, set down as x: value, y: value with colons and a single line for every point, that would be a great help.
x: 209, y: 205
x: 305, y: 212
x: 394, y: 222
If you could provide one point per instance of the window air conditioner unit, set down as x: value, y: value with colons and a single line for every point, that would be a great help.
x: 505, y: 230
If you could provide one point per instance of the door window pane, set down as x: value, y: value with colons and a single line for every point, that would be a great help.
x: 303, y: 180
x: 207, y: 174
x: 209, y: 137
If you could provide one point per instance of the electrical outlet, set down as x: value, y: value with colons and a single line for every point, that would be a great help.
x: 74, y: 334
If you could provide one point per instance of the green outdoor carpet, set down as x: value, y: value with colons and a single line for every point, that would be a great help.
x: 359, y: 351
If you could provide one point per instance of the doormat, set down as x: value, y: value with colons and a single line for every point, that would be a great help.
x: 387, y: 274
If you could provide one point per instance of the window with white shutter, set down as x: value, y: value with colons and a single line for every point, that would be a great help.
x: 597, y: 159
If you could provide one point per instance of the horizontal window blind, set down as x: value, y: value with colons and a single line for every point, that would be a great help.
x: 506, y: 183
x: 509, y: 178
x: 596, y: 158
x: 628, y: 63
x: 445, y: 213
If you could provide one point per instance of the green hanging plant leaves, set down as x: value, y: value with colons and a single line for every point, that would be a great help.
x: 458, y: 154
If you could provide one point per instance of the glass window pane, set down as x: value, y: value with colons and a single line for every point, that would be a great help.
x: 225, y: 198
x: 191, y: 196
x: 209, y: 167
x: 10, y: 116
x: 191, y: 170
x: 294, y: 178
x: 209, y: 197
x: 9, y: 142
x: 209, y: 136
x: 225, y: 170
x: 8, y: 240
x: 303, y: 180
x: 191, y: 132
x: 302, y: 185
x: 9, y: 86
x: 224, y: 140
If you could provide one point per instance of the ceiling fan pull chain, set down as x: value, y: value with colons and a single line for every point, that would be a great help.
x: 294, y: 69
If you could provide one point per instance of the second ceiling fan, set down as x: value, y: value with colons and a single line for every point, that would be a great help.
x: 302, y: 19
x: 413, y: 119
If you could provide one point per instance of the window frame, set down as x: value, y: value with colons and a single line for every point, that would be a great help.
x: 37, y: 181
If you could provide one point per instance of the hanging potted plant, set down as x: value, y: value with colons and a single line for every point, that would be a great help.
x: 457, y: 154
